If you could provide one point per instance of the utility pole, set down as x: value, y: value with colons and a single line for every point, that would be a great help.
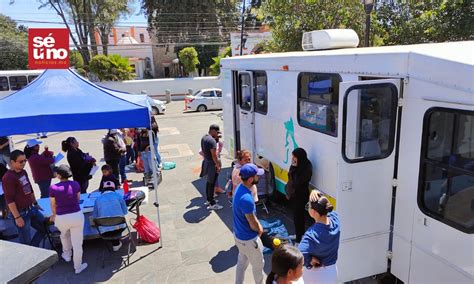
x: 242, y: 27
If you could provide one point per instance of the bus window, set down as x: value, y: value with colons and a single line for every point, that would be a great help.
x: 31, y: 78
x: 3, y: 84
x: 17, y: 82
x: 373, y: 135
x: 318, y: 98
x: 446, y: 190
x: 261, y: 93
x: 245, y: 91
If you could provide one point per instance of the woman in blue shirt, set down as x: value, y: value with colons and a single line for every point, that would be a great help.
x: 320, y: 243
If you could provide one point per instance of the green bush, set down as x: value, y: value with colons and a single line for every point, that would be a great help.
x: 189, y: 58
x: 111, y: 68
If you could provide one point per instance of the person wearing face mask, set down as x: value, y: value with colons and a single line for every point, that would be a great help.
x: 297, y: 188
x: 247, y: 228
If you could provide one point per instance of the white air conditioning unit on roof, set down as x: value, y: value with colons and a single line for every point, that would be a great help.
x: 330, y: 39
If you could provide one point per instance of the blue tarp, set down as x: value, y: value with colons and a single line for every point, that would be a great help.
x: 61, y: 100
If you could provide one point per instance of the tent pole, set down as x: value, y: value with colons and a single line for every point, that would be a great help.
x: 155, y: 182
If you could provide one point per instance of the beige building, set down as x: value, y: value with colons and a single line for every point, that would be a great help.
x: 135, y: 44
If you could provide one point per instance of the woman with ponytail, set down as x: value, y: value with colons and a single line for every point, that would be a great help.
x: 320, y: 243
x: 287, y: 266
x: 80, y: 163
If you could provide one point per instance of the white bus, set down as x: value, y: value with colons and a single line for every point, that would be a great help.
x: 390, y: 134
x: 14, y: 80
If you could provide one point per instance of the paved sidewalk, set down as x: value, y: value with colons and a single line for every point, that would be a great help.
x: 198, y: 245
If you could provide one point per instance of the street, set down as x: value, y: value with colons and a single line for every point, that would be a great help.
x: 198, y: 245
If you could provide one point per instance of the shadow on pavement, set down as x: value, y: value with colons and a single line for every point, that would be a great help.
x: 224, y: 260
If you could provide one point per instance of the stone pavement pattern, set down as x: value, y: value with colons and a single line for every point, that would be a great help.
x: 198, y: 245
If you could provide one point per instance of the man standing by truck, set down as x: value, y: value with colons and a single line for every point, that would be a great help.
x: 210, y: 165
x: 247, y: 228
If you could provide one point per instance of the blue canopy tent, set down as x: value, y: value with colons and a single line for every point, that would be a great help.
x: 62, y: 100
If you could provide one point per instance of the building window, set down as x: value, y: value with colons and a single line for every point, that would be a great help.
x: 318, y: 98
x: 4, y: 84
x: 446, y: 183
x: 245, y: 91
x: 370, y: 114
x: 142, y: 38
x: 17, y: 82
x: 261, y: 92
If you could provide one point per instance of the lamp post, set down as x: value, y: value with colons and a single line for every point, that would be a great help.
x: 242, y: 27
x: 368, y: 5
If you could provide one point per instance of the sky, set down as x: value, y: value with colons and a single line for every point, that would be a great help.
x: 27, y: 10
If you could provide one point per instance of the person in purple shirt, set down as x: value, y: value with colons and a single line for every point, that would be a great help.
x: 40, y: 165
x: 67, y: 216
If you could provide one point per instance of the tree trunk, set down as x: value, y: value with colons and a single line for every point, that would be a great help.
x: 104, y: 37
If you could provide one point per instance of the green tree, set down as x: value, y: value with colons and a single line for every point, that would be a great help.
x: 106, y: 13
x: 111, y: 68
x: 86, y: 16
x: 410, y: 22
x: 75, y: 59
x: 189, y: 58
x: 290, y: 19
x: 216, y: 66
x: 13, y: 45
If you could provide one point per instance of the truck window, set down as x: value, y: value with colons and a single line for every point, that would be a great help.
x: 261, y: 92
x: 371, y: 135
x: 3, y: 84
x: 245, y: 91
x: 17, y: 82
x: 318, y: 99
x: 446, y: 181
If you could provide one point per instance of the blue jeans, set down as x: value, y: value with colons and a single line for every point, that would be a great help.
x: 146, y: 158
x: 32, y: 218
x: 122, y: 164
x: 44, y: 188
x: 158, y: 156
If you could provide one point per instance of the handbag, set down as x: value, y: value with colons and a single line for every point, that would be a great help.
x: 147, y: 230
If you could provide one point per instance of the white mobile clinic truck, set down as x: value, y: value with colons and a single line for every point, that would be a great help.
x: 390, y: 134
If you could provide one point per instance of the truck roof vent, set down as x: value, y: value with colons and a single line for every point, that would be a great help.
x: 330, y: 39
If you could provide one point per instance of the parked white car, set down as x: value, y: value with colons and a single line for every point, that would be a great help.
x: 157, y: 106
x: 205, y: 99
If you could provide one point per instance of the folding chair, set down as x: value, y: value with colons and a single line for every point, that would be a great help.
x: 107, y: 236
x: 53, y: 236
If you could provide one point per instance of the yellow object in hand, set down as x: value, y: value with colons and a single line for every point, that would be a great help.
x: 276, y: 242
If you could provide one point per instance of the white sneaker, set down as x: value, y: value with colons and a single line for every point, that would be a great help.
x: 117, y: 247
x: 67, y: 258
x: 81, y: 268
x: 207, y: 202
x: 215, y: 207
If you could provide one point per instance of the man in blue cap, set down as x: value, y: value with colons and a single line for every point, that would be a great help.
x: 247, y: 228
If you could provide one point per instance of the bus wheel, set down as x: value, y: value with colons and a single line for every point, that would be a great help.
x: 201, y: 108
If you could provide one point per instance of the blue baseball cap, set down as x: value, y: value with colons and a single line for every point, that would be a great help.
x: 250, y: 170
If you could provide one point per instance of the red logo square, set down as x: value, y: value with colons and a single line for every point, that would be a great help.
x: 48, y: 48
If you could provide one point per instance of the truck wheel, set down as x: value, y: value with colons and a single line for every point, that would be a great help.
x: 201, y: 108
x: 155, y: 111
